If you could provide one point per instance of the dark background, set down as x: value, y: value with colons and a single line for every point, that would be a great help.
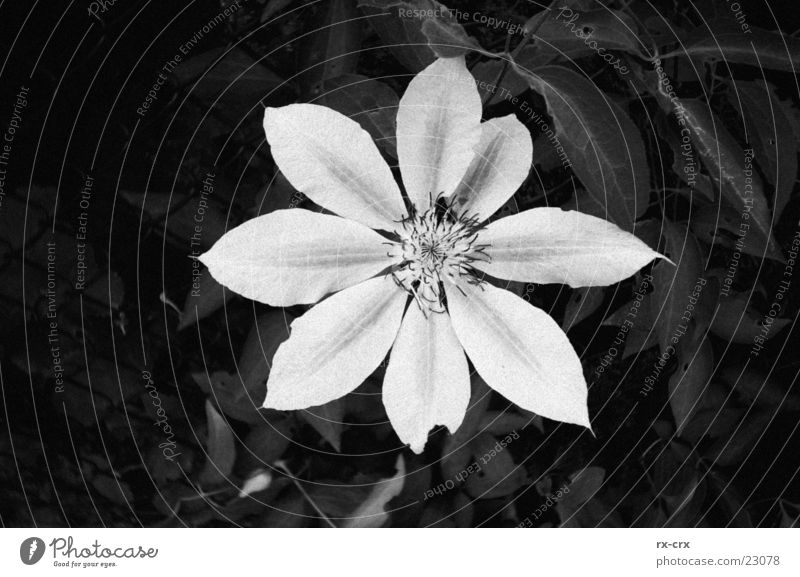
x: 89, y: 456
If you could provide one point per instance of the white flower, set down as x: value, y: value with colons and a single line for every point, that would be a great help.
x: 416, y: 288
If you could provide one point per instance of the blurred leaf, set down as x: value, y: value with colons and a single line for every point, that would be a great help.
x: 686, y: 385
x: 204, y: 298
x: 117, y: 491
x: 582, y: 303
x: 220, y: 448
x: 601, y: 141
x: 737, y: 322
x: 180, y: 211
x: 229, y: 80
x: 725, y: 161
x: 754, y: 387
x: 266, y: 442
x: 456, y: 452
x: 732, y: 450
x: 372, y: 512
x: 585, y: 484
x: 369, y: 102
x: 258, y: 482
x: 327, y: 421
x: 279, y: 194
x: 501, y: 423
x: 720, y: 40
x: 272, y: 7
x: 498, y: 475
x: 263, y: 340
x: 333, y: 46
x: 771, y: 134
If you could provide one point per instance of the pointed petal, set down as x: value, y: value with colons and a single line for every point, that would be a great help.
x: 295, y: 256
x: 438, y: 126
x: 519, y: 351
x: 501, y: 164
x: 334, y: 161
x: 550, y: 245
x: 427, y: 380
x: 336, y: 345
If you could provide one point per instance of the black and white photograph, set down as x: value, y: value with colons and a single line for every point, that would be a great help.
x: 289, y: 265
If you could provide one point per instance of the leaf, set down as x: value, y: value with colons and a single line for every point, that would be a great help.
x: 676, y: 289
x: 566, y: 32
x: 369, y: 102
x: 498, y: 475
x: 447, y: 38
x: 737, y: 322
x: 733, y: 449
x: 583, y: 302
x: 754, y: 387
x: 267, y: 334
x: 771, y: 134
x: 426, y: 29
x: 603, y: 144
x: 720, y: 41
x: 721, y: 225
x: 273, y: 7
x: 585, y: 484
x: 725, y: 161
x: 486, y: 75
x: 456, y: 453
x: 204, y: 298
x: 180, y: 212
x: 327, y: 421
x: 227, y: 79
x: 256, y: 483
x: 220, y: 448
x: 334, y: 45
x: 266, y: 442
x: 687, y: 384
x: 372, y: 512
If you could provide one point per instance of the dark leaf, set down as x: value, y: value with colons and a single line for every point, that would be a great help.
x: 334, y: 45
x: 369, y: 102
x: 582, y: 303
x: 220, y: 448
x: 726, y: 164
x: 603, y: 144
x: 204, y: 298
x: 687, y: 384
x: 770, y: 131
x: 721, y: 41
x: 676, y: 289
x: 327, y: 420
x: 737, y: 322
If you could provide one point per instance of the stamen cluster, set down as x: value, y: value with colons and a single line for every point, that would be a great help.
x: 435, y: 244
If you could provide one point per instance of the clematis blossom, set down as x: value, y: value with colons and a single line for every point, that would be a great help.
x: 407, y: 277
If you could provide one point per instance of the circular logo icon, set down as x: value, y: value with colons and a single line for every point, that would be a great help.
x: 31, y: 550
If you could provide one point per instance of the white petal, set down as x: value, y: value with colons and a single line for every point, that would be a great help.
x: 295, y: 256
x: 500, y: 166
x: 334, y: 161
x: 427, y: 380
x: 519, y: 351
x: 336, y: 345
x: 438, y: 127
x: 550, y: 245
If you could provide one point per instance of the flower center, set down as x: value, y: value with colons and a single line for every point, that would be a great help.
x: 435, y: 244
